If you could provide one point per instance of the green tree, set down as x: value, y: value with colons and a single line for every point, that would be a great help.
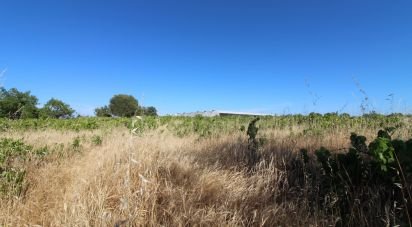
x: 16, y: 105
x: 103, y: 112
x: 150, y: 111
x: 123, y: 105
x: 55, y: 108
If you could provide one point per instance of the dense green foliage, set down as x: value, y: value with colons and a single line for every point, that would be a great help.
x: 12, y: 153
x: 123, y: 105
x: 17, y: 105
x: 75, y: 124
x: 149, y: 111
x: 103, y: 112
x: 383, y: 166
x: 55, y: 108
x: 211, y: 126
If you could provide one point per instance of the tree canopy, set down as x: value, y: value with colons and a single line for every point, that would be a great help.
x: 16, y: 105
x: 123, y: 105
x: 55, y: 108
x: 149, y: 111
x: 103, y: 112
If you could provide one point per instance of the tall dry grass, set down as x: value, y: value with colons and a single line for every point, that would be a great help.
x: 161, y: 180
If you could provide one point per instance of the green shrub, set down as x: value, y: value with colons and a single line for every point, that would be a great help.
x: 12, y: 153
x: 97, y: 140
x: 253, y: 143
x: 76, y: 146
x: 350, y: 177
x: 11, y: 182
x: 10, y: 150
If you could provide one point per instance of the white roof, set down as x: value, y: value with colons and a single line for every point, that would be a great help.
x: 214, y: 113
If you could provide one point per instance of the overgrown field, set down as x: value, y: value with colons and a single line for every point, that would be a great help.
x: 330, y: 170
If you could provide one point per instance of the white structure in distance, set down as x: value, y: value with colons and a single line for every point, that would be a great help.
x: 216, y: 113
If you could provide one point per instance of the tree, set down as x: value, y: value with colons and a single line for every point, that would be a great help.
x: 123, y: 105
x: 55, y: 108
x: 16, y: 105
x: 150, y: 111
x: 103, y: 112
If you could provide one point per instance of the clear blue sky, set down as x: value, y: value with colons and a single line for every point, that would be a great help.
x: 281, y: 56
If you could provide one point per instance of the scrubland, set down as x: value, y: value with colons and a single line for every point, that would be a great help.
x: 191, y: 172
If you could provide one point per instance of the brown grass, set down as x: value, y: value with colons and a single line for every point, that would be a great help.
x: 162, y: 180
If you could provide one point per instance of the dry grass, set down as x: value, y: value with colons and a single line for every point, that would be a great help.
x: 162, y: 180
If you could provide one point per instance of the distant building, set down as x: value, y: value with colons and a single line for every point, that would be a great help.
x: 216, y: 113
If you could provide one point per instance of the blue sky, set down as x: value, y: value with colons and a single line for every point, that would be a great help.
x: 263, y: 56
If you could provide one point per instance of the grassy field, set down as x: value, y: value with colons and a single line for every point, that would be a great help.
x: 176, y: 171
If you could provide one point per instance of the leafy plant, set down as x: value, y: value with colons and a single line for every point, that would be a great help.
x: 12, y: 182
x: 383, y: 152
x: 97, y: 140
x: 253, y: 143
x: 12, y: 152
x: 374, y: 165
x: 76, y: 146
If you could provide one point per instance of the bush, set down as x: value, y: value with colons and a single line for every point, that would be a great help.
x: 76, y: 146
x: 12, y: 152
x: 97, y: 140
x: 253, y: 143
x: 366, y: 176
